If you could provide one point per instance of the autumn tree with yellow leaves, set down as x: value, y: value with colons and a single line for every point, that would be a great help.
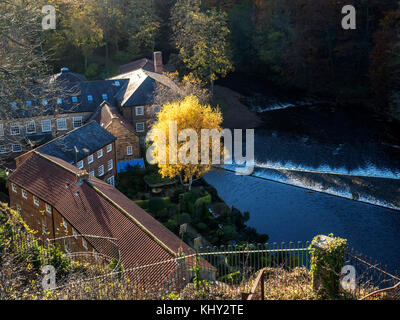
x: 178, y: 147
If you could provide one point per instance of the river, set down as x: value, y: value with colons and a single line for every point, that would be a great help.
x: 287, y: 213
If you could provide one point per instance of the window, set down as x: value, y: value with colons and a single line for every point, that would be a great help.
x: 84, y: 244
x: 109, y: 148
x: 3, y: 149
x: 90, y: 159
x: 67, y: 246
x: 28, y: 103
x: 139, y: 111
x: 46, y: 125
x: 101, y: 171
x: 105, y: 96
x: 140, y: 127
x: 110, y: 165
x: 24, y: 194
x: 77, y: 122
x: 92, y: 173
x: 45, y: 102
x: 117, y: 83
x: 62, y: 124
x: 44, y: 227
x: 16, y: 148
x: 48, y: 208
x: 90, y: 98
x: 111, y: 181
x: 30, y: 127
x: 129, y: 150
x: 14, y: 129
x: 74, y: 99
x: 99, y: 153
x: 65, y: 224
x: 19, y: 209
x: 59, y: 101
x: 74, y: 233
x: 36, y: 201
x: 1, y: 130
x: 14, y: 188
x: 80, y: 164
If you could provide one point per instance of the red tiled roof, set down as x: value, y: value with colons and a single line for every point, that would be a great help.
x: 96, y: 208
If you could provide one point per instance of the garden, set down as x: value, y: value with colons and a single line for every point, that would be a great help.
x: 201, y: 209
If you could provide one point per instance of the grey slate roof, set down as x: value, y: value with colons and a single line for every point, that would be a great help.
x: 141, y: 88
x: 87, y: 139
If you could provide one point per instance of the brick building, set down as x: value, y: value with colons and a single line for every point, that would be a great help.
x: 127, y: 143
x: 90, y: 147
x: 35, y: 122
x: 52, y: 194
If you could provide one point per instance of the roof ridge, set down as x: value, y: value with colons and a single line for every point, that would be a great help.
x: 53, y: 161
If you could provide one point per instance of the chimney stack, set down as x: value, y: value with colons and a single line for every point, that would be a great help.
x: 158, y: 63
x: 81, y: 176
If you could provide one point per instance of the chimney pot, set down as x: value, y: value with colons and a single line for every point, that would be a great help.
x: 158, y: 62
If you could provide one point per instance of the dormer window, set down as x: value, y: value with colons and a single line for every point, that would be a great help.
x: 59, y: 101
x: 90, y: 98
x: 80, y: 164
x: 105, y: 96
x: 29, y: 103
x: 74, y: 99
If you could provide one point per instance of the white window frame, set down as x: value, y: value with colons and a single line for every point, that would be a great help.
x: 67, y: 246
x: 64, y: 223
x: 80, y: 164
x: 46, y: 125
x: 92, y: 173
x: 16, y: 148
x: 15, y: 129
x: 19, y: 209
x: 77, y: 119
x: 63, y: 121
x: 99, y: 153
x: 129, y: 150
x: 84, y: 244
x: 141, y: 113
x: 3, y: 149
x: 14, y: 187
x: 90, y: 159
x: 110, y: 165
x: 36, y: 201
x: 74, y: 233
x: 109, y: 148
x: 100, y: 171
x: 29, y: 123
x: 24, y: 194
x: 49, y: 210
x: 111, y: 181
x: 140, y: 123
x: 44, y: 226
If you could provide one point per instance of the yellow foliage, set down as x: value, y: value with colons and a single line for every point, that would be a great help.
x: 188, y: 114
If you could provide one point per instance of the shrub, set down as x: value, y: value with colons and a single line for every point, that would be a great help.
x: 172, y: 225
x: 184, y: 218
x: 201, y: 226
x: 144, y: 204
x: 206, y: 199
